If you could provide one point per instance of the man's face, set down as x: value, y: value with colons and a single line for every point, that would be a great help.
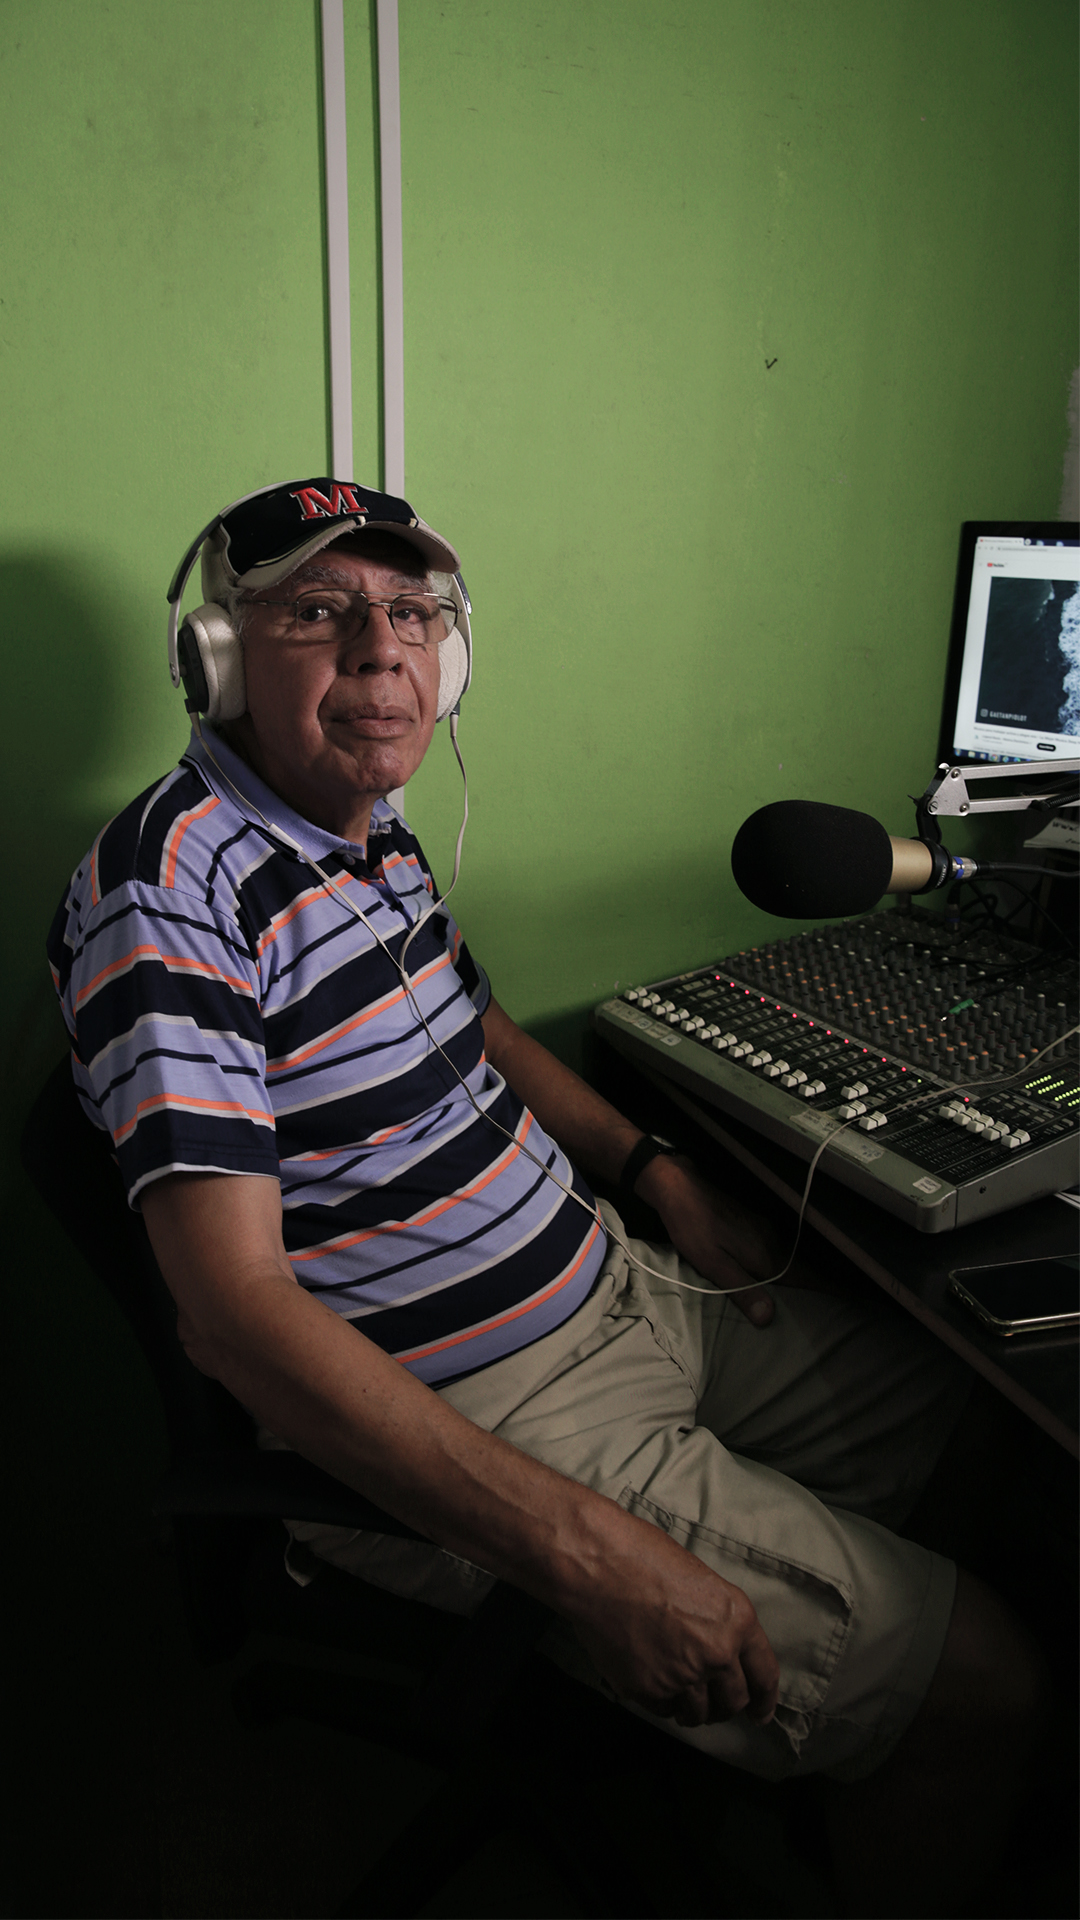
x: 332, y: 726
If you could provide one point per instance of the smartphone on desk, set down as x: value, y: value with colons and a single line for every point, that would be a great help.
x: 1022, y: 1296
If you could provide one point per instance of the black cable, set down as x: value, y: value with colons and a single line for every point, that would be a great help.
x: 1027, y: 899
x: 1008, y: 866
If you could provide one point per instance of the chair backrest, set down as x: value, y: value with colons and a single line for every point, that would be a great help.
x: 70, y: 1163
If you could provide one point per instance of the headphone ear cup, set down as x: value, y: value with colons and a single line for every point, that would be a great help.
x: 219, y: 692
x: 453, y: 673
x: 455, y: 654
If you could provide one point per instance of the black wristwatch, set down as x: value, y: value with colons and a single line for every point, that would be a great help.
x: 647, y: 1149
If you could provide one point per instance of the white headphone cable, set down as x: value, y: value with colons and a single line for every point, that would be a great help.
x: 407, y: 984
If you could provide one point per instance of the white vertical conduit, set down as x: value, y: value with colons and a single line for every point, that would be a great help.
x: 393, y: 299
x: 335, y: 160
x: 337, y: 249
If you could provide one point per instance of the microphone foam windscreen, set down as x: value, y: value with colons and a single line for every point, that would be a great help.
x: 805, y: 860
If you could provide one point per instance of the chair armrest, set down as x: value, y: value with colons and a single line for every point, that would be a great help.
x: 245, y: 1483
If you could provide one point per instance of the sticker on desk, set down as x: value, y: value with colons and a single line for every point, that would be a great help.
x: 652, y: 1027
x: 926, y: 1185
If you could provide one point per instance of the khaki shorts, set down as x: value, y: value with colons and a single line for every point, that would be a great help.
x: 780, y: 1457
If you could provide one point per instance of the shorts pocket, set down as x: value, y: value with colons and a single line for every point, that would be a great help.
x: 806, y: 1613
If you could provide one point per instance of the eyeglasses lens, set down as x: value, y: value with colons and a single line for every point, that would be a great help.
x: 418, y: 618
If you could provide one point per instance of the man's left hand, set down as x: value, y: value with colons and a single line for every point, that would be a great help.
x: 718, y: 1237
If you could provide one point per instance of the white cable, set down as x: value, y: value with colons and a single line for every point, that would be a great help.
x: 424, y: 917
x: 407, y: 983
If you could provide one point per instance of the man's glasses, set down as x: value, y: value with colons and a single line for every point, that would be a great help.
x: 419, y: 619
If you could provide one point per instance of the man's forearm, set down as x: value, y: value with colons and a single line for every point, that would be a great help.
x: 717, y: 1237
x: 663, y: 1628
x: 586, y: 1126
x: 317, y: 1383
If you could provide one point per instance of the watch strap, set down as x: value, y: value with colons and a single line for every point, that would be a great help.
x: 639, y: 1157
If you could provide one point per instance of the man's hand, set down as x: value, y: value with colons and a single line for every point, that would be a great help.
x: 678, y: 1639
x: 719, y: 1238
x: 663, y: 1628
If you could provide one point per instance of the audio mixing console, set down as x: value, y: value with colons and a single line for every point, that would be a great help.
x: 945, y: 1066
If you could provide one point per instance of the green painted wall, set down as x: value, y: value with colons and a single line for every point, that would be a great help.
x: 721, y: 316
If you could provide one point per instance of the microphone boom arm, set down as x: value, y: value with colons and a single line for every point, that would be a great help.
x: 947, y: 793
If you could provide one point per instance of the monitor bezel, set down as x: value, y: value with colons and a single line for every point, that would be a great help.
x: 1050, y: 532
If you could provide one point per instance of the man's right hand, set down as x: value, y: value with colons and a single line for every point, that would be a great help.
x: 677, y: 1639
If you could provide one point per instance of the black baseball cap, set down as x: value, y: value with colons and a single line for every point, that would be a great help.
x: 262, y: 537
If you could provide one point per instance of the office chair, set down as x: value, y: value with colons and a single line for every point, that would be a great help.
x: 516, y: 1737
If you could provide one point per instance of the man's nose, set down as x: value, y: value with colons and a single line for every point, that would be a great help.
x: 373, y: 647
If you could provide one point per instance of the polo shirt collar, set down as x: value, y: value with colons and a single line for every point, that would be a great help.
x: 251, y: 797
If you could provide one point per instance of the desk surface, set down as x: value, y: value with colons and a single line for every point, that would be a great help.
x: 1038, y: 1372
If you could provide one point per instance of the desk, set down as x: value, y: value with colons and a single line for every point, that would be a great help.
x: 1037, y: 1372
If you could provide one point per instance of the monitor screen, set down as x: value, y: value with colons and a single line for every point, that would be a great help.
x: 1012, y: 689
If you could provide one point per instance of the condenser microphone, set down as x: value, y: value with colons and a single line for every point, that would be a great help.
x: 803, y: 860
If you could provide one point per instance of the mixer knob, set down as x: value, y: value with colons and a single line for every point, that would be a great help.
x: 1022, y: 1138
x: 782, y: 1066
x: 665, y: 1006
x: 772, y: 1072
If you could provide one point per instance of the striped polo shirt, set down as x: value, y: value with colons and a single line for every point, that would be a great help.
x: 230, y: 1014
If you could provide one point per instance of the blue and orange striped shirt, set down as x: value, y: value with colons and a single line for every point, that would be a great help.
x: 230, y: 1014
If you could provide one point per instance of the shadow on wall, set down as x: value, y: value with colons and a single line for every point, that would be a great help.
x: 61, y: 674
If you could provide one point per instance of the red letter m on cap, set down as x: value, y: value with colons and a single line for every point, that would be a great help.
x: 316, y: 506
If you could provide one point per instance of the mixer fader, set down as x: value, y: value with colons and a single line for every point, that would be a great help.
x: 945, y: 1067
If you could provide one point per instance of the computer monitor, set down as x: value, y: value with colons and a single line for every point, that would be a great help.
x: 1012, y: 685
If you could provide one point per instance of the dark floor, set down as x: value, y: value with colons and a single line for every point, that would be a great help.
x: 134, y: 1790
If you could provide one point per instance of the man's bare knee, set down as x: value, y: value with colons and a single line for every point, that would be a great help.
x: 991, y: 1683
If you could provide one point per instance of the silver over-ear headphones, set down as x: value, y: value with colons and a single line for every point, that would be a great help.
x: 206, y: 653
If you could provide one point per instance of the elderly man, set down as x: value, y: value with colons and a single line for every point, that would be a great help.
x: 359, y: 1178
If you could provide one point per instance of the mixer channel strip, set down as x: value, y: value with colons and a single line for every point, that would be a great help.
x: 915, y: 1049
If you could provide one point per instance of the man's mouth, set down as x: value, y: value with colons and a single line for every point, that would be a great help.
x: 373, y: 723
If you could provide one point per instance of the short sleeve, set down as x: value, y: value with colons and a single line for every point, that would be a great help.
x: 162, y: 998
